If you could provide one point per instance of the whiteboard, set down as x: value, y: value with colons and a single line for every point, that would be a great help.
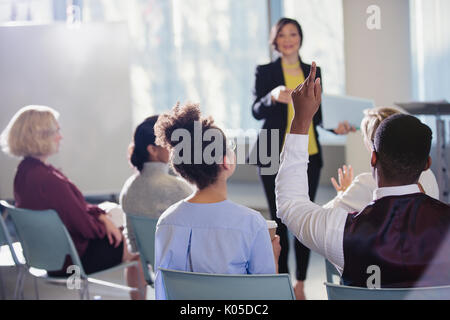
x: 83, y: 73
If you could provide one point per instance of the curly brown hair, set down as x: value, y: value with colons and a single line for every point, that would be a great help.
x: 202, y: 174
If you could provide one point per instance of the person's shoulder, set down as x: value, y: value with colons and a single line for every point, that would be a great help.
x: 29, y: 163
x: 268, y: 66
x: 437, y: 205
x: 427, y: 174
x: 429, y: 183
x: 246, y: 213
x: 365, y: 178
x: 362, y: 183
x: 130, y: 181
x: 127, y: 186
x: 178, y: 181
x: 171, y: 187
x: 36, y: 170
x: 186, y: 188
x: 169, y: 216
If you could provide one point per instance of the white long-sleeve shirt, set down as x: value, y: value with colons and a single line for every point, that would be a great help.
x: 318, y: 228
x: 360, y: 192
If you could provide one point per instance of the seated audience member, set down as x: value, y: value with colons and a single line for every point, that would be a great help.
x: 34, y: 134
x: 404, y: 232
x: 206, y: 232
x: 151, y: 190
x: 355, y: 195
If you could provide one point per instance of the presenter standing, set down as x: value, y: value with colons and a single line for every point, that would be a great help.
x: 272, y: 103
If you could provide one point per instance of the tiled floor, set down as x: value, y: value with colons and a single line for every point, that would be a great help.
x: 248, y: 194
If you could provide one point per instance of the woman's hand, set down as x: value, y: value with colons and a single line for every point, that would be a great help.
x: 344, y: 128
x: 345, y: 178
x: 281, y: 94
x: 113, y: 233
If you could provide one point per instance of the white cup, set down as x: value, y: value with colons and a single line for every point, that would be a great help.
x: 272, y: 226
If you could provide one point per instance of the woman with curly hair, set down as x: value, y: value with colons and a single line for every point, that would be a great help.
x: 206, y: 232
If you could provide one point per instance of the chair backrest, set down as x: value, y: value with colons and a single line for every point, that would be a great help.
x: 331, y: 271
x: 144, y: 232
x: 3, y: 233
x: 44, y: 238
x: 339, y: 292
x: 181, y: 285
x: 5, y: 239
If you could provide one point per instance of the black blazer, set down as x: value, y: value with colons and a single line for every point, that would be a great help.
x: 274, y: 114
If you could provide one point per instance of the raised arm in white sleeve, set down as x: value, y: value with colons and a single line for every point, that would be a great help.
x: 317, y: 228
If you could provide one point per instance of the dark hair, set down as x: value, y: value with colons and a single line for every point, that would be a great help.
x: 144, y: 135
x: 184, y: 117
x: 402, y: 144
x: 276, y: 29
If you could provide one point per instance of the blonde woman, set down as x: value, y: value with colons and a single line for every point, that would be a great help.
x: 355, y: 194
x: 34, y: 134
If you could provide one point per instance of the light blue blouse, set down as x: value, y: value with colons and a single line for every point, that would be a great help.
x: 222, y: 237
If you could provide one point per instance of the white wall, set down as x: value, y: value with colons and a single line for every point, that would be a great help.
x: 84, y: 74
x: 378, y: 62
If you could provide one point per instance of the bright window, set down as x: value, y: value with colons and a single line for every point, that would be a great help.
x: 192, y: 50
x: 430, y: 47
x: 322, y: 22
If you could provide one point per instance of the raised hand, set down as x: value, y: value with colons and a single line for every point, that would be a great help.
x: 345, y: 176
x: 306, y: 99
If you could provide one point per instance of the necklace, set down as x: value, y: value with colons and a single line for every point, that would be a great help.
x: 291, y: 66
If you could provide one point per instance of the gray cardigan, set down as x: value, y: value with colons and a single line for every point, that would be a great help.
x: 149, y: 193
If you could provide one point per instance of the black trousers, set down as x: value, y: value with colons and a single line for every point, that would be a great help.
x: 301, y: 252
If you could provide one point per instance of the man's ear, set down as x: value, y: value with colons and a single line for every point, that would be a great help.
x: 373, y: 159
x: 226, y: 162
x: 428, y: 164
x: 152, y: 152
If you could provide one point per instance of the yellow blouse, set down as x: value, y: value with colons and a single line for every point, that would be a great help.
x: 291, y: 83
